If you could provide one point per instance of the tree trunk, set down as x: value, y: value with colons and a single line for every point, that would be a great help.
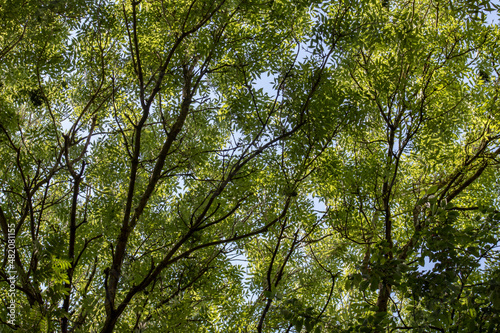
x: 383, y: 296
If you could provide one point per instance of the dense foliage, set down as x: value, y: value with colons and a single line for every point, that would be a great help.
x: 249, y: 166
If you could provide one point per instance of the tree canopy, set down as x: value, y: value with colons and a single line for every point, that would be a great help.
x: 249, y: 166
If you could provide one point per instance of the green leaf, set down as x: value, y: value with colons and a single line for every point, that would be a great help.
x: 433, y: 189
